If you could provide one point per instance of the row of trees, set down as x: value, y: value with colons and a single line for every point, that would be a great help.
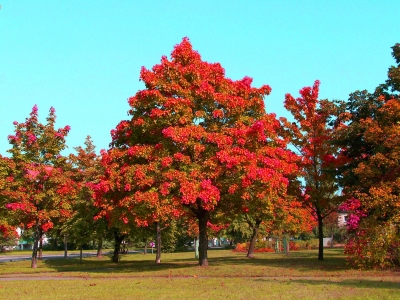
x: 200, y: 150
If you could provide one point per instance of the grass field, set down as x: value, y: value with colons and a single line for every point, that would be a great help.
x: 229, y: 276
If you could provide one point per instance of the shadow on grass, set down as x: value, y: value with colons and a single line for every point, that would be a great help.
x: 106, y: 265
x: 138, y: 263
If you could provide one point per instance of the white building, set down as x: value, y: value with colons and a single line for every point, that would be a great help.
x: 342, y: 218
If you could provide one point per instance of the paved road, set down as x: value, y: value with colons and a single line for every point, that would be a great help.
x: 16, y: 257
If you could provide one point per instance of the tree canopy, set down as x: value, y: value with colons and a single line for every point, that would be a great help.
x: 200, y: 152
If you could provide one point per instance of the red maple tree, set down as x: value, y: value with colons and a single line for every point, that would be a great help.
x: 311, y: 135
x: 40, y: 185
x: 190, y: 144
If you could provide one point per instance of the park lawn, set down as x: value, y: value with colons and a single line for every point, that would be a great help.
x: 229, y: 276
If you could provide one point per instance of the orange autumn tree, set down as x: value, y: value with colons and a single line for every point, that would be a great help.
x: 266, y: 166
x: 311, y: 135
x: 292, y: 217
x: 188, y: 144
x: 131, y: 192
x: 39, y: 185
x: 374, y: 234
x: 279, y: 214
x: 371, y: 141
x: 80, y: 227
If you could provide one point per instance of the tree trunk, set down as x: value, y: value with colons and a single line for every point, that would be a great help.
x: 253, y: 240
x: 65, y: 246
x: 80, y: 253
x: 54, y: 243
x: 118, y: 238
x: 35, y: 245
x: 40, y: 244
x: 320, y: 236
x: 158, y: 243
x: 287, y: 245
x: 100, y: 248
x: 196, y: 247
x: 203, y: 217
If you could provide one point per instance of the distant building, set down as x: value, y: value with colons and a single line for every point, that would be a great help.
x: 342, y: 218
x: 28, y: 244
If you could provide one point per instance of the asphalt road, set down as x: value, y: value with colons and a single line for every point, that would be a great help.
x: 16, y: 257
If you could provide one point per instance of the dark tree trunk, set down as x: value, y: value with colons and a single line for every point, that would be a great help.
x: 35, y: 245
x: 65, y: 246
x: 145, y: 247
x: 54, y: 243
x: 40, y: 244
x: 100, y: 247
x: 320, y: 236
x: 203, y: 217
x: 158, y: 243
x: 118, y: 238
x: 253, y: 240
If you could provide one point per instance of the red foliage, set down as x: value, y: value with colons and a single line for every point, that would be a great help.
x: 311, y: 134
x: 40, y: 184
x: 193, y: 135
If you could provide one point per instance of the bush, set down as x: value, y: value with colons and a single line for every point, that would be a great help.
x: 374, y: 247
x: 308, y: 244
x: 268, y: 246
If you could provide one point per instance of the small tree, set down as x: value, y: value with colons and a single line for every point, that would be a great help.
x: 311, y: 135
x: 40, y: 185
x: 82, y: 226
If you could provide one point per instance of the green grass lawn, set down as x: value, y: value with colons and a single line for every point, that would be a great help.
x: 230, y: 276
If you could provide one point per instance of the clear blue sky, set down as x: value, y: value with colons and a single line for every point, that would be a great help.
x: 84, y: 57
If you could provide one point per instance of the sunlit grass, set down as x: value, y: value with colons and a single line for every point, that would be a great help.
x: 200, y: 288
x: 230, y: 276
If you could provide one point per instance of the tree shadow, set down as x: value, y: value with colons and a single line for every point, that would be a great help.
x: 264, y: 264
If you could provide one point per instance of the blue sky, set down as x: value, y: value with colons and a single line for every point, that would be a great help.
x: 84, y: 57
